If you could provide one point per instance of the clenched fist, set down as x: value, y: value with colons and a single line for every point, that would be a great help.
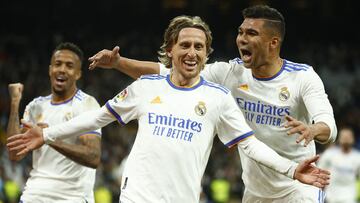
x: 15, y: 91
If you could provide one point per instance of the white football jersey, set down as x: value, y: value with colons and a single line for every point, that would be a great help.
x: 344, y: 169
x: 54, y: 175
x: 175, y: 136
x: 296, y: 90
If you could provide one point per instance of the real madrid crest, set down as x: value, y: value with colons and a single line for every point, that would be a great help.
x: 68, y: 115
x: 284, y: 94
x: 200, y: 109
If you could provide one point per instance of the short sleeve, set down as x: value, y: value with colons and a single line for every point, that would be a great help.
x: 30, y: 112
x: 124, y: 106
x: 232, y: 127
x: 26, y: 115
x: 90, y: 104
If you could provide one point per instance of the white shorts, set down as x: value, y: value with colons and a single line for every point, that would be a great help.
x: 302, y: 194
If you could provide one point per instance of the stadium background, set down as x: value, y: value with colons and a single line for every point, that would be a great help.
x: 321, y: 33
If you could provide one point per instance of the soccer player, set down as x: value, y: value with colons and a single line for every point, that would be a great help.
x: 179, y: 115
x: 283, y: 101
x: 63, y: 171
x: 344, y: 163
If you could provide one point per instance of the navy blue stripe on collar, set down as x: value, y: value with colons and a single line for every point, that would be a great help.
x: 184, y: 88
x: 64, y: 102
x: 274, y: 76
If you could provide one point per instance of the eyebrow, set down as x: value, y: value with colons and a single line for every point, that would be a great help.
x: 249, y: 29
x: 62, y: 61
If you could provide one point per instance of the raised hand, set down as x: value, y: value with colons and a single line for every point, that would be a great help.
x: 26, y: 142
x: 15, y: 91
x: 306, y: 172
x: 301, y: 128
x: 105, y: 59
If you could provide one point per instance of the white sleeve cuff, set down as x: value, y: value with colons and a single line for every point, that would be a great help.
x: 291, y: 171
x: 333, y: 130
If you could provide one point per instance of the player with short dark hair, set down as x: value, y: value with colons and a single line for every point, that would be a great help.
x: 63, y: 171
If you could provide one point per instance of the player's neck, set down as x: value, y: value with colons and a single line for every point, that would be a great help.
x: 268, y: 69
x: 346, y: 150
x: 180, y: 81
x: 62, y: 97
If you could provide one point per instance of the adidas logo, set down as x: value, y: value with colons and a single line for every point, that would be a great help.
x: 156, y: 100
x: 244, y: 87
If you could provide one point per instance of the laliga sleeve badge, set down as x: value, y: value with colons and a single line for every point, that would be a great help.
x: 200, y: 109
x: 284, y: 94
x: 121, y: 96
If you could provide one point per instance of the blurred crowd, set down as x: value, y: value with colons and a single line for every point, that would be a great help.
x: 25, y: 57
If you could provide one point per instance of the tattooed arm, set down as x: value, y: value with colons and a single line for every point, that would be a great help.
x: 87, y: 152
x: 13, y: 128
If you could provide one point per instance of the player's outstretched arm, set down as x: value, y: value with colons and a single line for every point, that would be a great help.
x: 35, y: 137
x: 304, y: 172
x: 15, y: 92
x: 111, y: 59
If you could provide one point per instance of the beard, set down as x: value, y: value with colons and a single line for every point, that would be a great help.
x: 59, y: 91
x: 62, y: 90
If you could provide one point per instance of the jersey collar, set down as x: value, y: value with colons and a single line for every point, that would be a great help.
x: 184, y: 88
x: 64, y: 102
x: 274, y: 76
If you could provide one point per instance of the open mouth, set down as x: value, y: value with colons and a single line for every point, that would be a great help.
x: 189, y: 63
x: 60, y: 79
x: 246, y: 55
